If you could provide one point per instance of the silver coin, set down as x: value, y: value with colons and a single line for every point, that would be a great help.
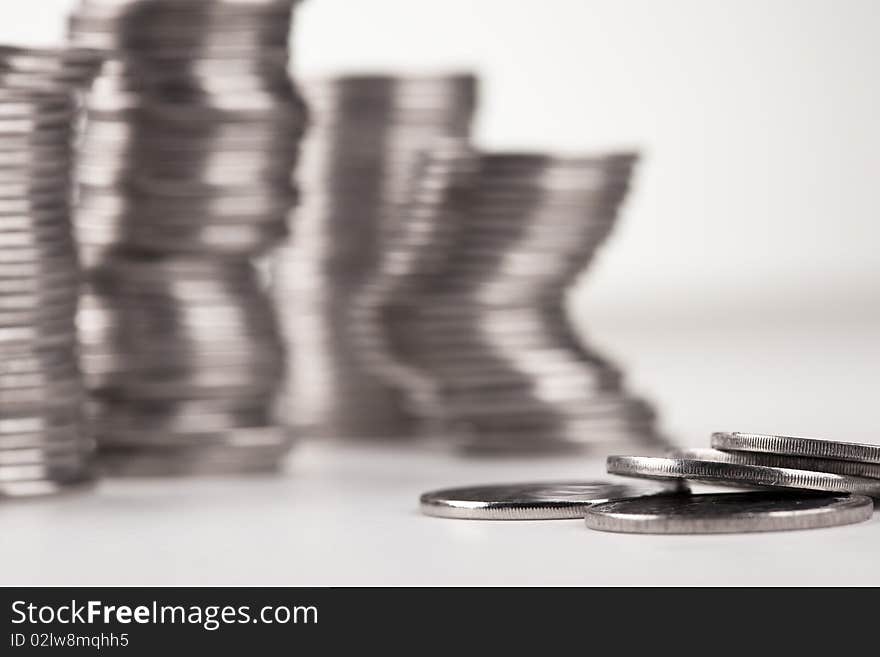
x: 794, y: 446
x: 46, y: 438
x: 245, y: 240
x: 834, y: 466
x: 33, y: 361
x: 58, y: 396
x: 59, y: 454
x: 42, y: 270
x: 728, y: 513
x: 50, y: 313
x: 50, y: 377
x: 530, y: 501
x: 734, y: 474
x: 34, y: 253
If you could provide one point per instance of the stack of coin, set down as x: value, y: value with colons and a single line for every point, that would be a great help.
x: 44, y: 447
x: 48, y: 68
x: 827, y: 483
x: 466, y: 312
x: 185, y: 180
x: 364, y: 140
x: 192, y: 127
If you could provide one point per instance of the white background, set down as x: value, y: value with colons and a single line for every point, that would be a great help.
x: 742, y: 291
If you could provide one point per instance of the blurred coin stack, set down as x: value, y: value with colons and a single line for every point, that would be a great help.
x: 44, y: 445
x: 364, y: 139
x: 467, y: 309
x: 185, y: 181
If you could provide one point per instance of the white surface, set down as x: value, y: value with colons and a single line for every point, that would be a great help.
x: 346, y: 515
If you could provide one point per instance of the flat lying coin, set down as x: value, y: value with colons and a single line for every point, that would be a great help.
x: 741, y: 476
x: 530, y: 501
x: 870, y: 470
x: 794, y: 446
x: 728, y: 513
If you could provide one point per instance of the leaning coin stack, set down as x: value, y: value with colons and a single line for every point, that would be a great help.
x: 185, y: 181
x: 815, y: 483
x: 364, y: 140
x: 466, y: 312
x: 44, y: 447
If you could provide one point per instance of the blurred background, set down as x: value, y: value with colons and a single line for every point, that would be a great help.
x: 754, y: 207
x: 758, y: 120
x: 742, y: 288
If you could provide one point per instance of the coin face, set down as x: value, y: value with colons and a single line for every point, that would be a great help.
x: 529, y: 501
x: 738, y: 475
x: 728, y: 513
x: 796, y: 446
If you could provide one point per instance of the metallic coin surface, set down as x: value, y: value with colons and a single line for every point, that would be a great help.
x: 737, y: 475
x: 530, y: 501
x: 728, y: 513
x: 795, y: 446
x: 834, y: 466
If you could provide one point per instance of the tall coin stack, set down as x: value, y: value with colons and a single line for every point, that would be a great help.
x: 364, y: 139
x: 467, y: 310
x: 185, y: 181
x: 44, y: 447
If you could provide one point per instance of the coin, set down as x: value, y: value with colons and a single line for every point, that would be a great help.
x: 834, y: 466
x: 530, y: 501
x: 62, y: 437
x: 47, y: 68
x: 794, y: 446
x: 734, y: 474
x: 728, y: 513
